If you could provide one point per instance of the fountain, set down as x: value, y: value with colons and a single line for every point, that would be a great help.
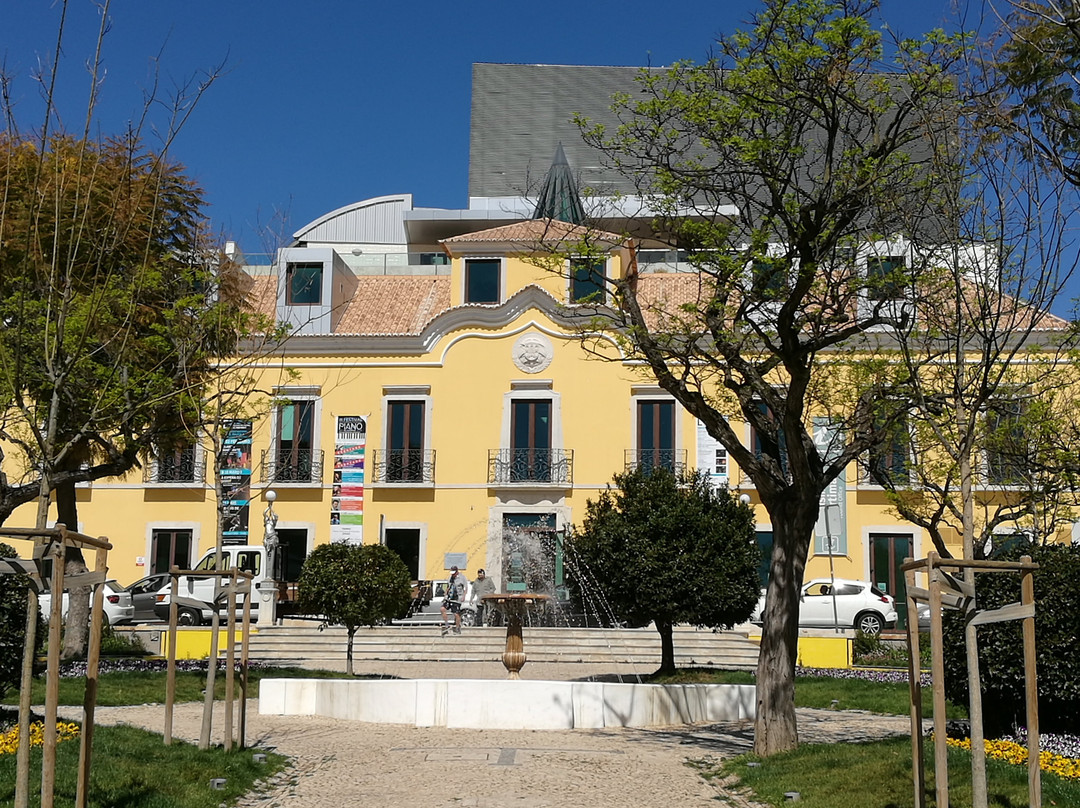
x: 531, y: 562
x: 514, y: 606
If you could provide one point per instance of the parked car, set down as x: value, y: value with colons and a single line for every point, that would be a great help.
x: 195, y: 603
x: 859, y: 605
x: 117, y: 606
x: 144, y: 595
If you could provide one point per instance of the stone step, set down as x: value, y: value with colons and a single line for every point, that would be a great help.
x: 305, y: 644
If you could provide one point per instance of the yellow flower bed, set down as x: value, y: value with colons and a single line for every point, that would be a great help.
x: 9, y: 741
x: 1012, y: 752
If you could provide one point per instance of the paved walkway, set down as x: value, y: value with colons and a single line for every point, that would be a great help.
x: 338, y: 763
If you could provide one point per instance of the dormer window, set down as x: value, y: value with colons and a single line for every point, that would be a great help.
x: 885, y: 278
x: 303, y: 283
x: 768, y: 281
x: 587, y: 280
x: 482, y: 276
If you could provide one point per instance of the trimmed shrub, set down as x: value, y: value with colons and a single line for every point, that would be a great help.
x: 1001, y: 651
x: 13, y: 590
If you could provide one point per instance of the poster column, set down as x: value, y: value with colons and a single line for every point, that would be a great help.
x: 347, y: 501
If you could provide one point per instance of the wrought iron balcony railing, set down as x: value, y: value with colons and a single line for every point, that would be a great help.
x: 525, y: 466
x: 293, y: 466
x: 404, y: 466
x: 674, y: 460
x: 186, y: 466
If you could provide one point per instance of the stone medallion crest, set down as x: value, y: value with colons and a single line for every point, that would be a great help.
x: 532, y: 353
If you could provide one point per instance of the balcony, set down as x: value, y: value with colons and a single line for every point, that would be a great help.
x: 299, y: 466
x: 404, y: 467
x: 184, y: 468
x: 674, y: 460
x: 531, y: 467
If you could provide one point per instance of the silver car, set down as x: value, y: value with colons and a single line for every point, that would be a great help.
x: 431, y: 612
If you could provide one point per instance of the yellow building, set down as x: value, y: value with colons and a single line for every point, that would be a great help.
x: 442, y: 392
x: 442, y: 401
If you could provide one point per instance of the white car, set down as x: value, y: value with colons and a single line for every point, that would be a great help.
x: 117, y: 605
x: 858, y: 604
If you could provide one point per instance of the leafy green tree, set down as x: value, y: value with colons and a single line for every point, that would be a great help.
x: 354, y: 585
x: 790, y: 167
x: 667, y: 550
x: 116, y: 315
x: 13, y: 588
x: 1039, y: 56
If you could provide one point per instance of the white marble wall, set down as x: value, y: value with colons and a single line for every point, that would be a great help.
x: 487, y: 704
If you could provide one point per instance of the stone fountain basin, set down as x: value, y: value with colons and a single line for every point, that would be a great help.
x: 506, y: 704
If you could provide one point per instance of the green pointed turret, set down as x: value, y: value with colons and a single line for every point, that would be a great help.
x: 559, y: 197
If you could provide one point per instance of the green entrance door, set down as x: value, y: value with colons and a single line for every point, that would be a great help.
x: 887, y: 553
x: 532, y: 554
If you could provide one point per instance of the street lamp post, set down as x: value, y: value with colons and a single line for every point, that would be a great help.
x: 271, y: 543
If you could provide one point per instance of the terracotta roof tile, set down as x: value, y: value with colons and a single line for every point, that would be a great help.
x: 536, y: 232
x: 394, y: 304
x: 660, y: 294
x: 260, y: 294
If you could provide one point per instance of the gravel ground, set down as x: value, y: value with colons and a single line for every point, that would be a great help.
x: 337, y: 762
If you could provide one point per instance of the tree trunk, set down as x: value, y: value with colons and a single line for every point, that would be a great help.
x: 667, y: 647
x: 348, y: 651
x: 77, y: 622
x: 775, y: 728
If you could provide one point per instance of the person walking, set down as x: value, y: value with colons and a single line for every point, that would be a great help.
x: 481, y: 586
x: 451, y: 604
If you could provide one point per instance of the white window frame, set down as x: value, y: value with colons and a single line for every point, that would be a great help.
x: 422, y: 527
x: 649, y: 393
x: 864, y: 479
x: 196, y: 539
x: 291, y: 395
x: 748, y: 442
x: 465, y: 259
x: 200, y: 462
x: 532, y: 390
x: 983, y: 481
x: 407, y: 392
x: 605, y: 292
x: 882, y: 250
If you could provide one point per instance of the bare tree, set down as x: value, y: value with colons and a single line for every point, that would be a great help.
x: 111, y: 296
x: 808, y: 183
x: 979, y: 446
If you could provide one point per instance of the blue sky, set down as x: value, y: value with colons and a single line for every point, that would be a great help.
x: 326, y: 103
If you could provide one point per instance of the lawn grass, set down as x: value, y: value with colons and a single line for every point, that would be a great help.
x: 121, y: 688
x: 888, y: 698
x: 878, y: 775
x: 133, y: 768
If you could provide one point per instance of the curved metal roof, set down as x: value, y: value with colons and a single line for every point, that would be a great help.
x: 371, y: 221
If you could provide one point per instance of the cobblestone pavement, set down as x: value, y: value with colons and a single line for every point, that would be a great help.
x: 338, y: 762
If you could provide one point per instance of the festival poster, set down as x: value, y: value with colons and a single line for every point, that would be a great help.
x: 235, y: 474
x: 347, y: 495
x: 712, y: 457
